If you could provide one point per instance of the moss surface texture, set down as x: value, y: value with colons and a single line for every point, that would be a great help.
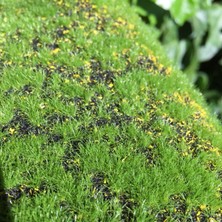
x: 95, y: 122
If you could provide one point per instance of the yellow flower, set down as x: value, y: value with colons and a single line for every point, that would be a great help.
x: 203, y: 207
x: 11, y: 131
x: 110, y: 85
x: 55, y: 51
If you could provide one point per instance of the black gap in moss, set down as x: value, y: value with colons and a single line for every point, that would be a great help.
x: 151, y: 154
x: 178, y: 201
x: 100, y: 186
x: 83, y: 6
x: 5, y: 210
x: 15, y: 193
x: 197, y: 214
x: 36, y: 43
x: 70, y: 160
x: 56, y: 118
x: 9, y: 91
x: 24, y: 90
x: 20, y: 125
x: 128, y: 204
x: 68, y: 210
x: 61, y: 32
x: 162, y: 215
x: 55, y: 138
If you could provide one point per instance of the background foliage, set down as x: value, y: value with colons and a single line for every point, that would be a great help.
x: 191, y: 32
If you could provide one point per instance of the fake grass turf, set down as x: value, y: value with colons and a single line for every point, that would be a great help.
x: 96, y: 125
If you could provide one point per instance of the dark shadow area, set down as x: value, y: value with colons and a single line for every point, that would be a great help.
x: 152, y: 9
x: 5, y: 212
x: 214, y: 70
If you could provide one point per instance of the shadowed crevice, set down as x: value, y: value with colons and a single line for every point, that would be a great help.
x: 5, y: 212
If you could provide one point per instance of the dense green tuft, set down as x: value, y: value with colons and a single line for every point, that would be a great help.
x: 95, y: 123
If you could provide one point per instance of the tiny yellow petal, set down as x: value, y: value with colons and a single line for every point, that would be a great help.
x: 55, y: 51
x: 110, y: 85
x: 65, y: 31
x: 11, y: 131
x: 203, y: 207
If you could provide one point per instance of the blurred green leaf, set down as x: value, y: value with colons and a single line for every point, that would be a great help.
x: 205, y: 4
x: 139, y: 10
x: 202, y: 81
x: 176, y: 51
x: 183, y: 10
x: 212, y: 95
x: 200, y: 25
x: 153, y: 9
x: 174, y: 47
x: 152, y: 20
x: 191, y: 32
x: 216, y: 105
x: 213, y: 43
x: 165, y: 4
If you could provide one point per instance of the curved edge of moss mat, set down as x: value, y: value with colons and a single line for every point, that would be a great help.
x: 96, y: 124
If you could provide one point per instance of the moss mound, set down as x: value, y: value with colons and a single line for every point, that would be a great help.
x: 96, y: 125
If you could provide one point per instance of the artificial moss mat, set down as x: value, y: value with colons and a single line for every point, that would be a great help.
x: 96, y: 124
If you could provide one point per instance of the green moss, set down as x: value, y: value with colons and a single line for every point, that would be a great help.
x: 95, y: 122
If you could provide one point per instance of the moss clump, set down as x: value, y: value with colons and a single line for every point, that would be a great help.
x: 96, y: 125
